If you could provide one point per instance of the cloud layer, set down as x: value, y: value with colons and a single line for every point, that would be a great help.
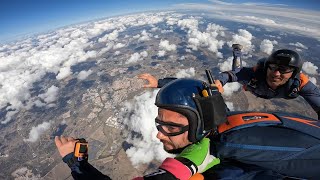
x: 140, y: 115
x: 273, y: 16
x: 37, y: 131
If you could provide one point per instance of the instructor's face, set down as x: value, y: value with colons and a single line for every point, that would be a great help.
x: 171, y: 143
x: 275, y: 78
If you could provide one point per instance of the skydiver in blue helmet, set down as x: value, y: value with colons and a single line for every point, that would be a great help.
x: 180, y: 129
x: 277, y: 76
x: 190, y: 116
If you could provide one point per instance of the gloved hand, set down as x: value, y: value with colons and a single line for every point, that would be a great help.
x: 197, y: 157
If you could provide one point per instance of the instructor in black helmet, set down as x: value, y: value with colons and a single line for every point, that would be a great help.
x: 277, y: 76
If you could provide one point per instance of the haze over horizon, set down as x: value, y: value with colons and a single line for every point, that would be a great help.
x: 21, y: 19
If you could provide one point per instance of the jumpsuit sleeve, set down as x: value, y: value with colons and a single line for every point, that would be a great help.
x: 81, y: 170
x: 241, y: 75
x: 311, y: 93
x: 171, y: 169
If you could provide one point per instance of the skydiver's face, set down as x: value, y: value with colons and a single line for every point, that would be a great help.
x: 172, y: 143
x: 277, y: 76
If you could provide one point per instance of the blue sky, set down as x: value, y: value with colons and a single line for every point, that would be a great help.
x: 22, y: 17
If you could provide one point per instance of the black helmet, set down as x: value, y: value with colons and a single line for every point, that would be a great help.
x: 285, y: 57
x: 181, y: 95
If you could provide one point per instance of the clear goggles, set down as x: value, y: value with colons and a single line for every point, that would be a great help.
x: 170, y: 128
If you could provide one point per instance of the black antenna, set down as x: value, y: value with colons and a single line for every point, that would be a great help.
x: 209, y: 76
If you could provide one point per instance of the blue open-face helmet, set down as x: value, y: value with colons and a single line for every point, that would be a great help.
x: 183, y: 96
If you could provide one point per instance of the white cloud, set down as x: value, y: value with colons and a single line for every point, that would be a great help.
x: 230, y: 106
x: 154, y: 29
x: 277, y: 37
x: 37, y: 131
x: 172, y: 20
x: 302, y: 21
x: 110, y: 37
x: 164, y: 31
x: 63, y: 73
x: 214, y: 28
x: 313, y: 80
x: 262, y: 4
x: 164, y: 45
x: 25, y: 62
x: 256, y: 20
x: 119, y: 45
x: 137, y: 57
x: 136, y: 36
x: 227, y: 64
x: 191, y: 24
x: 139, y: 116
x: 117, y: 53
x: 109, y: 46
x: 299, y: 45
x: 207, y: 39
x: 230, y: 88
x: 50, y: 95
x: 144, y: 54
x: 266, y: 46
x: 220, y: 2
x: 161, y: 53
x: 134, y: 58
x: 244, y: 38
x: 185, y: 73
x: 37, y: 103
x: 145, y: 36
x: 309, y: 68
x: 84, y: 74
x: 9, y: 116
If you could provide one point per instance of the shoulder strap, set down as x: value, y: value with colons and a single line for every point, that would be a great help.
x: 295, y: 84
x: 257, y: 74
x: 249, y: 119
x: 303, y: 80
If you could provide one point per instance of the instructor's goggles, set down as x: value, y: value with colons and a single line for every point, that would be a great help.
x: 281, y: 68
x: 170, y: 128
